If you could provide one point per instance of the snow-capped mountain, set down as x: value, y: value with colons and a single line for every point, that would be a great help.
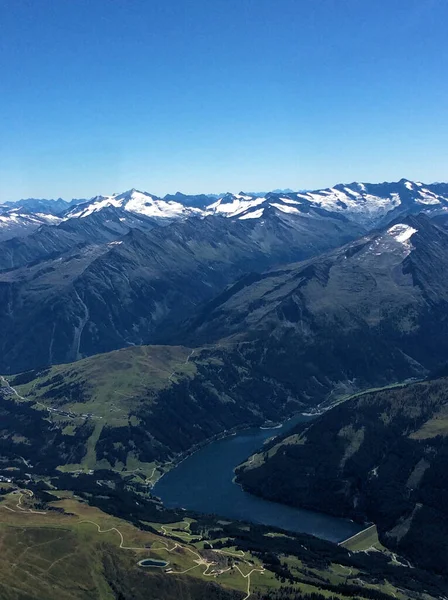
x: 120, y: 265
x: 138, y: 202
x: 242, y: 206
x: 367, y: 204
x: 14, y: 223
x: 41, y: 205
x: 373, y: 204
x: 23, y: 217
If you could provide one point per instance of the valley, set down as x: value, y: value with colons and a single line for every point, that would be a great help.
x: 151, y: 346
x: 204, y: 483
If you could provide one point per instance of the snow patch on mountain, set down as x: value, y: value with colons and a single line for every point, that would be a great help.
x: 401, y: 232
x: 151, y: 206
x: 15, y: 218
x: 15, y: 224
x: 94, y: 206
x: 290, y: 201
x: 234, y: 205
x: 286, y: 209
x: 256, y: 214
x: 362, y: 207
x: 48, y: 218
x: 396, y: 239
x: 427, y: 197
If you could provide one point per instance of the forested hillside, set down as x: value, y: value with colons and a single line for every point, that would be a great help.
x: 379, y: 457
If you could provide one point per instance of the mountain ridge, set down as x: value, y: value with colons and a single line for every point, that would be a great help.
x: 365, y: 203
x: 369, y: 313
x: 101, y: 289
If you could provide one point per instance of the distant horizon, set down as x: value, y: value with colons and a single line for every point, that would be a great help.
x: 277, y: 189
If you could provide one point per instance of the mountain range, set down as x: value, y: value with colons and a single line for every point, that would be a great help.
x: 367, y: 204
x: 90, y: 289
x: 135, y: 329
x: 369, y: 313
x: 366, y: 314
x: 127, y: 269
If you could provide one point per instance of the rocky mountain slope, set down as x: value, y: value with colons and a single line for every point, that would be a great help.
x: 359, y: 205
x: 379, y: 457
x: 367, y: 204
x: 99, y: 283
x: 369, y: 313
x: 14, y: 223
x: 42, y: 205
x: 50, y: 242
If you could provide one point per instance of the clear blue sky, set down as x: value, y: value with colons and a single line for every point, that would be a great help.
x: 98, y: 96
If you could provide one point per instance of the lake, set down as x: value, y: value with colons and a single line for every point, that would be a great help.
x: 203, y: 482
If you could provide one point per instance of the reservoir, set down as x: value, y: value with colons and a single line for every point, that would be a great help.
x: 152, y: 563
x: 203, y: 482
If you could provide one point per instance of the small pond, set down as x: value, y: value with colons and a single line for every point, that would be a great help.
x: 153, y: 563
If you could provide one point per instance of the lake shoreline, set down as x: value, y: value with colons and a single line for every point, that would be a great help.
x: 205, y: 484
x: 219, y: 436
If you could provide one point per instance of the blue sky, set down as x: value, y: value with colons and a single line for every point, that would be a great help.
x: 98, y: 96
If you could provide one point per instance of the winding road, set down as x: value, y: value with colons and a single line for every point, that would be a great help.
x: 20, y: 507
x: 198, y: 559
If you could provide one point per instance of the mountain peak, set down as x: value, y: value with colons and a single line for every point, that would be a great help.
x: 133, y: 192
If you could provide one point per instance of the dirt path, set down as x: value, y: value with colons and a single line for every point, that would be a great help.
x: 248, y: 579
x: 11, y: 388
x: 198, y: 559
x: 122, y: 546
x: 170, y: 378
x: 20, y: 507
